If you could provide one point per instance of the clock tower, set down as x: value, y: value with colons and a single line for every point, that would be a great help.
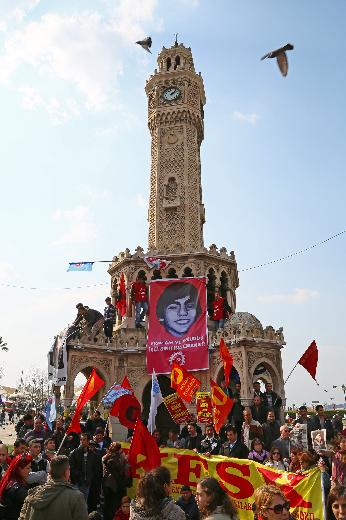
x: 175, y: 118
x: 176, y: 216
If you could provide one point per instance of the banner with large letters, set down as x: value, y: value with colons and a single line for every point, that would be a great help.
x: 177, y: 325
x: 240, y: 478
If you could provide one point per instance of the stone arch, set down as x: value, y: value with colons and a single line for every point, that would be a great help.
x: 86, y: 368
x: 177, y: 62
x: 223, y: 284
x: 275, y: 378
x: 172, y: 273
x: 141, y: 272
x: 211, y: 286
x: 156, y: 275
x: 187, y: 272
x: 219, y: 374
x: 164, y: 421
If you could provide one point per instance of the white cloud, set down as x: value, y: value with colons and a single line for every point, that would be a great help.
x: 92, y: 193
x: 80, y: 56
x: 245, y: 118
x: 141, y: 201
x: 296, y: 296
x: 80, y: 226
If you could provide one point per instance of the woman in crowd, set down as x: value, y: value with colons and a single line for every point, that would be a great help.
x: 123, y: 512
x: 275, y: 460
x: 14, y: 487
x: 153, y: 500
x: 336, y: 508
x: 213, y: 501
x: 294, y: 464
x: 258, y: 453
x: 114, y: 479
x: 338, y: 458
x: 271, y: 504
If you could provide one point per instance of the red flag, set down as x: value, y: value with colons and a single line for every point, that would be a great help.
x: 184, y: 383
x: 126, y: 383
x: 128, y: 410
x: 91, y: 387
x: 222, y: 405
x: 121, y: 301
x: 144, y: 444
x: 227, y: 359
x: 309, y: 359
x: 116, y: 406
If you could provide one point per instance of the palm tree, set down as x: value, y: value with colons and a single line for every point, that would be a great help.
x: 3, y: 345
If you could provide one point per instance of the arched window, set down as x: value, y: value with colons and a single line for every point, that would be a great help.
x: 172, y: 273
x: 211, y: 286
x: 223, y: 284
x: 177, y: 62
x: 187, y: 272
x: 168, y: 63
x: 156, y: 275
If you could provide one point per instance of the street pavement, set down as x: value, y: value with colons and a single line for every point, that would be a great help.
x: 7, y: 433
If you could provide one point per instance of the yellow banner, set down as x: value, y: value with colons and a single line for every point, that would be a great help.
x: 240, y: 478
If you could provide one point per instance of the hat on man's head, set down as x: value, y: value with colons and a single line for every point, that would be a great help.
x: 185, y: 488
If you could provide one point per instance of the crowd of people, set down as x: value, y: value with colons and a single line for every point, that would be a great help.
x: 91, y: 474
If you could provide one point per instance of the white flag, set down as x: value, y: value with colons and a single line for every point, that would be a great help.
x: 52, y: 413
x: 156, y: 400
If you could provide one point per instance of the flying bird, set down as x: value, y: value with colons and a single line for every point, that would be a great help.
x: 281, y: 58
x: 146, y: 43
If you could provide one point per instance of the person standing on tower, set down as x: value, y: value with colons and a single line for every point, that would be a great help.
x: 109, y: 316
x: 139, y: 296
x: 220, y: 310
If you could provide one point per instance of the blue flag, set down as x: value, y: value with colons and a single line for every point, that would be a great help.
x: 115, y: 392
x: 50, y: 412
x: 80, y: 266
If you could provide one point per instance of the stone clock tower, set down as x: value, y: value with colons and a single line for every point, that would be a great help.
x: 175, y: 118
x: 176, y: 217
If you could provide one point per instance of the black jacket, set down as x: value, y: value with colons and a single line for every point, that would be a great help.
x: 12, y: 501
x: 239, y: 450
x: 84, y: 471
x: 190, y: 507
x: 271, y: 432
x: 316, y: 425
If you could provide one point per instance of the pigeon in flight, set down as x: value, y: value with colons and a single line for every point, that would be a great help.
x: 281, y: 58
x: 146, y: 43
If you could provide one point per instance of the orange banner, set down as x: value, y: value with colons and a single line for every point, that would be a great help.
x: 184, y: 383
x: 203, y: 408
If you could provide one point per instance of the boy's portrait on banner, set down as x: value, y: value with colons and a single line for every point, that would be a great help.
x: 177, y: 325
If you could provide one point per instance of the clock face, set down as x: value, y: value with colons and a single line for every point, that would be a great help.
x: 171, y: 94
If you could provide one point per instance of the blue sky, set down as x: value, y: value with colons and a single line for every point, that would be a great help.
x: 75, y: 159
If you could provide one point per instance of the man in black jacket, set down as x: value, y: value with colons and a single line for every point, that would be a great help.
x: 272, y: 400
x: 271, y: 430
x: 320, y: 422
x: 188, y: 504
x: 233, y: 447
x: 84, y: 465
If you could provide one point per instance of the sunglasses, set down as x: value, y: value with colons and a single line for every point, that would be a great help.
x: 280, y: 507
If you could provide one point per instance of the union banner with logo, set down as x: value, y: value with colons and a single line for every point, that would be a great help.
x: 184, y: 383
x: 177, y: 325
x: 240, y: 478
x: 204, y: 409
x: 177, y: 409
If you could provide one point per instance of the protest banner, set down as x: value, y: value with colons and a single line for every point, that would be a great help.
x: 299, y: 436
x: 177, y: 325
x: 203, y: 408
x: 240, y: 478
x: 184, y: 383
x: 177, y: 409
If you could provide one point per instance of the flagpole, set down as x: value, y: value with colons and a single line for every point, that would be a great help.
x: 291, y: 372
x: 62, y: 442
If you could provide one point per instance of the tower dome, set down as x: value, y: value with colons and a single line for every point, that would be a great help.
x: 245, y: 320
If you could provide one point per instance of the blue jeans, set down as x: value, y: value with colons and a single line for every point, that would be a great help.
x: 220, y: 324
x: 141, y: 309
